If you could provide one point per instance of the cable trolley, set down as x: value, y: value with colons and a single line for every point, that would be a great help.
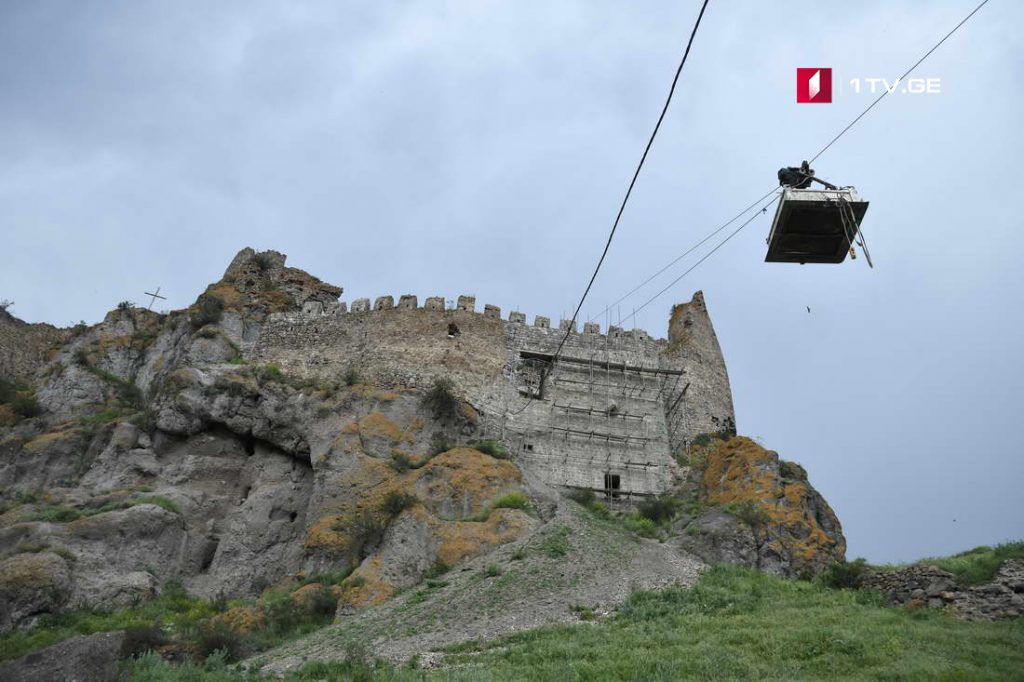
x: 815, y: 225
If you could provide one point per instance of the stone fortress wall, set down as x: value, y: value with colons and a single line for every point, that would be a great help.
x: 607, y: 416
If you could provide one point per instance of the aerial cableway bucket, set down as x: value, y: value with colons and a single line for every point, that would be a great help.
x: 812, y: 225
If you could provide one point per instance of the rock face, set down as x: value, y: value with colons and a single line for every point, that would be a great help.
x: 755, y: 509
x: 87, y: 658
x: 233, y: 445
x: 927, y: 586
x: 24, y: 347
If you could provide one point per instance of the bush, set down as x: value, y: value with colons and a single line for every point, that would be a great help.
x: 750, y: 513
x: 512, y: 500
x: 351, y: 377
x: 125, y: 306
x: 658, y: 509
x: 57, y: 514
x: 492, y: 571
x: 600, y: 510
x: 708, y: 438
x: 208, y: 311
x: 846, y: 574
x: 263, y: 260
x: 441, y: 399
x: 219, y: 636
x: 396, y: 502
x: 493, y: 448
x: 20, y: 398
x: 582, y: 496
x: 642, y: 526
x: 270, y: 372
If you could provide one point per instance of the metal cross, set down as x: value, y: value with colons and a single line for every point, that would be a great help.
x: 155, y: 296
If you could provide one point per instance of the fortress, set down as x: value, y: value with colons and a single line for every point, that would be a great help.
x: 609, y: 415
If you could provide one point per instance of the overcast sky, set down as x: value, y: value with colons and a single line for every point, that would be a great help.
x: 441, y: 148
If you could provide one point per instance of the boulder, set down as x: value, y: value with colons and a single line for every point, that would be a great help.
x: 86, y: 658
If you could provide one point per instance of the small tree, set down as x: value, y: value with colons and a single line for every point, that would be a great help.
x: 441, y: 399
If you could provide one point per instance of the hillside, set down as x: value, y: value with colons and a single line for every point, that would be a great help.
x: 271, y: 466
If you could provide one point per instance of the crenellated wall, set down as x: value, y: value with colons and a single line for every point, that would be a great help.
x: 609, y: 414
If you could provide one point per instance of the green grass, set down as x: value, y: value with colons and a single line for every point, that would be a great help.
x: 495, y: 449
x: 740, y: 624
x: 734, y: 624
x: 555, y: 544
x: 512, y: 500
x: 975, y: 566
x: 174, y: 608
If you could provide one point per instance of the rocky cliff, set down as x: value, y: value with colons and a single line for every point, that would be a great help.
x: 201, y: 447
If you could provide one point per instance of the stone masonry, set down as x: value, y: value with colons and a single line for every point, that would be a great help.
x: 607, y: 416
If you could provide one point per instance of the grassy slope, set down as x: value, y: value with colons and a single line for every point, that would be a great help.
x: 973, y: 567
x: 735, y: 624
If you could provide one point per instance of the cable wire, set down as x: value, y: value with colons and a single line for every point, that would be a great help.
x: 814, y: 158
x: 632, y: 182
x: 703, y: 258
x: 686, y: 253
x: 885, y: 91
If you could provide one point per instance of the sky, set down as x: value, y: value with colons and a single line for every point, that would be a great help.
x: 446, y: 148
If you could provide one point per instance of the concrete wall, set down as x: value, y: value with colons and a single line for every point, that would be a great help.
x: 617, y: 404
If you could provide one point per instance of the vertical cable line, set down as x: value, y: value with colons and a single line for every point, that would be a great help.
x: 632, y: 182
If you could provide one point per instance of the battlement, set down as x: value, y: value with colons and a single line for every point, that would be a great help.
x: 608, y: 414
x: 462, y: 304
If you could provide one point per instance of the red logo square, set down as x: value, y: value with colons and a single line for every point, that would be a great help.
x: 814, y: 85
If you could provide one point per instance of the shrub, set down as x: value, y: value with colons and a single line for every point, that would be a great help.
x: 208, y: 311
x: 20, y: 398
x: 217, y: 635
x: 270, y: 372
x: 58, y: 514
x: 400, y: 461
x: 642, y: 526
x: 438, y: 568
x: 600, y: 510
x: 582, y: 496
x: 351, y: 377
x: 703, y: 439
x: 512, y: 500
x: 493, y: 448
x: 396, y: 502
x: 846, y: 574
x: 124, y: 306
x: 658, y: 509
x: 263, y: 260
x: 750, y: 513
x: 441, y: 399
x: 492, y: 571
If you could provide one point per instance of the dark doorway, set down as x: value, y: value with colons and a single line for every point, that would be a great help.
x: 612, y: 485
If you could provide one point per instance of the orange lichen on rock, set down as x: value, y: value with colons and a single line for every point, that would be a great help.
x: 464, y: 478
x: 241, y: 619
x: 741, y: 472
x: 369, y: 483
x: 52, y: 438
x: 461, y: 540
x: 377, y: 424
x: 365, y: 587
x: 373, y: 393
